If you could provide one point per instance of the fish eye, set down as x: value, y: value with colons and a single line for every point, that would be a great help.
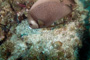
x: 30, y: 24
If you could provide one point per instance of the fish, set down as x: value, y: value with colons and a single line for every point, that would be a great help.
x: 45, y: 12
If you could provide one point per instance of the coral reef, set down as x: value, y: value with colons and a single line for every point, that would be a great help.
x: 19, y: 41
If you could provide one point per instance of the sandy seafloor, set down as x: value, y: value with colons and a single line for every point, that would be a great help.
x: 68, y: 41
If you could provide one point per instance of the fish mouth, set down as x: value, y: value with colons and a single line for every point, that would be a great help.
x: 40, y: 24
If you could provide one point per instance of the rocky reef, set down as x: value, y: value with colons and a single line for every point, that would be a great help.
x: 59, y: 42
